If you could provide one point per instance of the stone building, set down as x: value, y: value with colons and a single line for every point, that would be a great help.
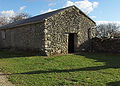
x: 63, y: 31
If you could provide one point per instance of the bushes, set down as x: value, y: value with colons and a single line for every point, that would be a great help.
x: 105, y: 45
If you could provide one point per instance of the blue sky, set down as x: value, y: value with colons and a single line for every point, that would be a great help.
x: 98, y: 10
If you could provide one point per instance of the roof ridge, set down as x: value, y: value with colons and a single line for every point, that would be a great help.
x: 37, y: 18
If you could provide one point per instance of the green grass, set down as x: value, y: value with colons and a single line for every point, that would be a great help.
x: 86, y: 69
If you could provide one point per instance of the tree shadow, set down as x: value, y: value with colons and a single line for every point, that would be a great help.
x: 112, y: 60
x: 60, y: 71
x: 113, y: 83
x: 11, y: 54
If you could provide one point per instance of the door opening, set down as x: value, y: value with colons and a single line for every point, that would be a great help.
x: 71, y: 43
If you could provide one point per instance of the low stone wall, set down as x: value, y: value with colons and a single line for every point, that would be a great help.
x: 105, y: 45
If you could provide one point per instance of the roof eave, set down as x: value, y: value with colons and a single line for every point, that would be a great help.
x: 22, y: 25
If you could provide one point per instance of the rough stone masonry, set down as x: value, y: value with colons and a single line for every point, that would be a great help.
x: 49, y: 33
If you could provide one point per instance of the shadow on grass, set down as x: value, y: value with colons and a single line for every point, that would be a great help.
x: 65, y: 70
x: 61, y: 71
x: 111, y: 61
x: 113, y: 83
x: 10, y: 54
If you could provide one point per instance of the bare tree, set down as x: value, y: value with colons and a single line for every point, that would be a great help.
x: 18, y: 16
x: 117, y: 34
x: 107, y: 30
x: 3, y: 21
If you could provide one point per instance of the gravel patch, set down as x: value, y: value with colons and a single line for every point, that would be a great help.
x: 4, y: 80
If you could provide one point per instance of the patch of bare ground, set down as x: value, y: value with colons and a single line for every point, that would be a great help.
x: 4, y: 80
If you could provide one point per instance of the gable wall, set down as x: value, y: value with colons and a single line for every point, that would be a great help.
x: 59, y: 26
x: 27, y: 37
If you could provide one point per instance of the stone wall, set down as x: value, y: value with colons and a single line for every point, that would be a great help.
x: 106, y: 45
x: 27, y: 37
x: 50, y: 37
x: 58, y: 27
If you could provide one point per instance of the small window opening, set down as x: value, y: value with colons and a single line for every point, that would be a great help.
x: 3, y: 35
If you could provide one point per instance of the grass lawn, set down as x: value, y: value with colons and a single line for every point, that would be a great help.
x: 86, y: 69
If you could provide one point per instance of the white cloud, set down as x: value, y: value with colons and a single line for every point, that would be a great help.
x: 8, y: 13
x: 85, y: 5
x: 95, y: 4
x: 51, y: 4
x: 23, y: 7
x: 106, y: 22
x: 93, y: 17
x: 45, y: 11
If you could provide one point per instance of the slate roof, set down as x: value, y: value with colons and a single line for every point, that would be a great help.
x: 37, y: 18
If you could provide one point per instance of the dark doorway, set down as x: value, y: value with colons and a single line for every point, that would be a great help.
x: 71, y: 43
